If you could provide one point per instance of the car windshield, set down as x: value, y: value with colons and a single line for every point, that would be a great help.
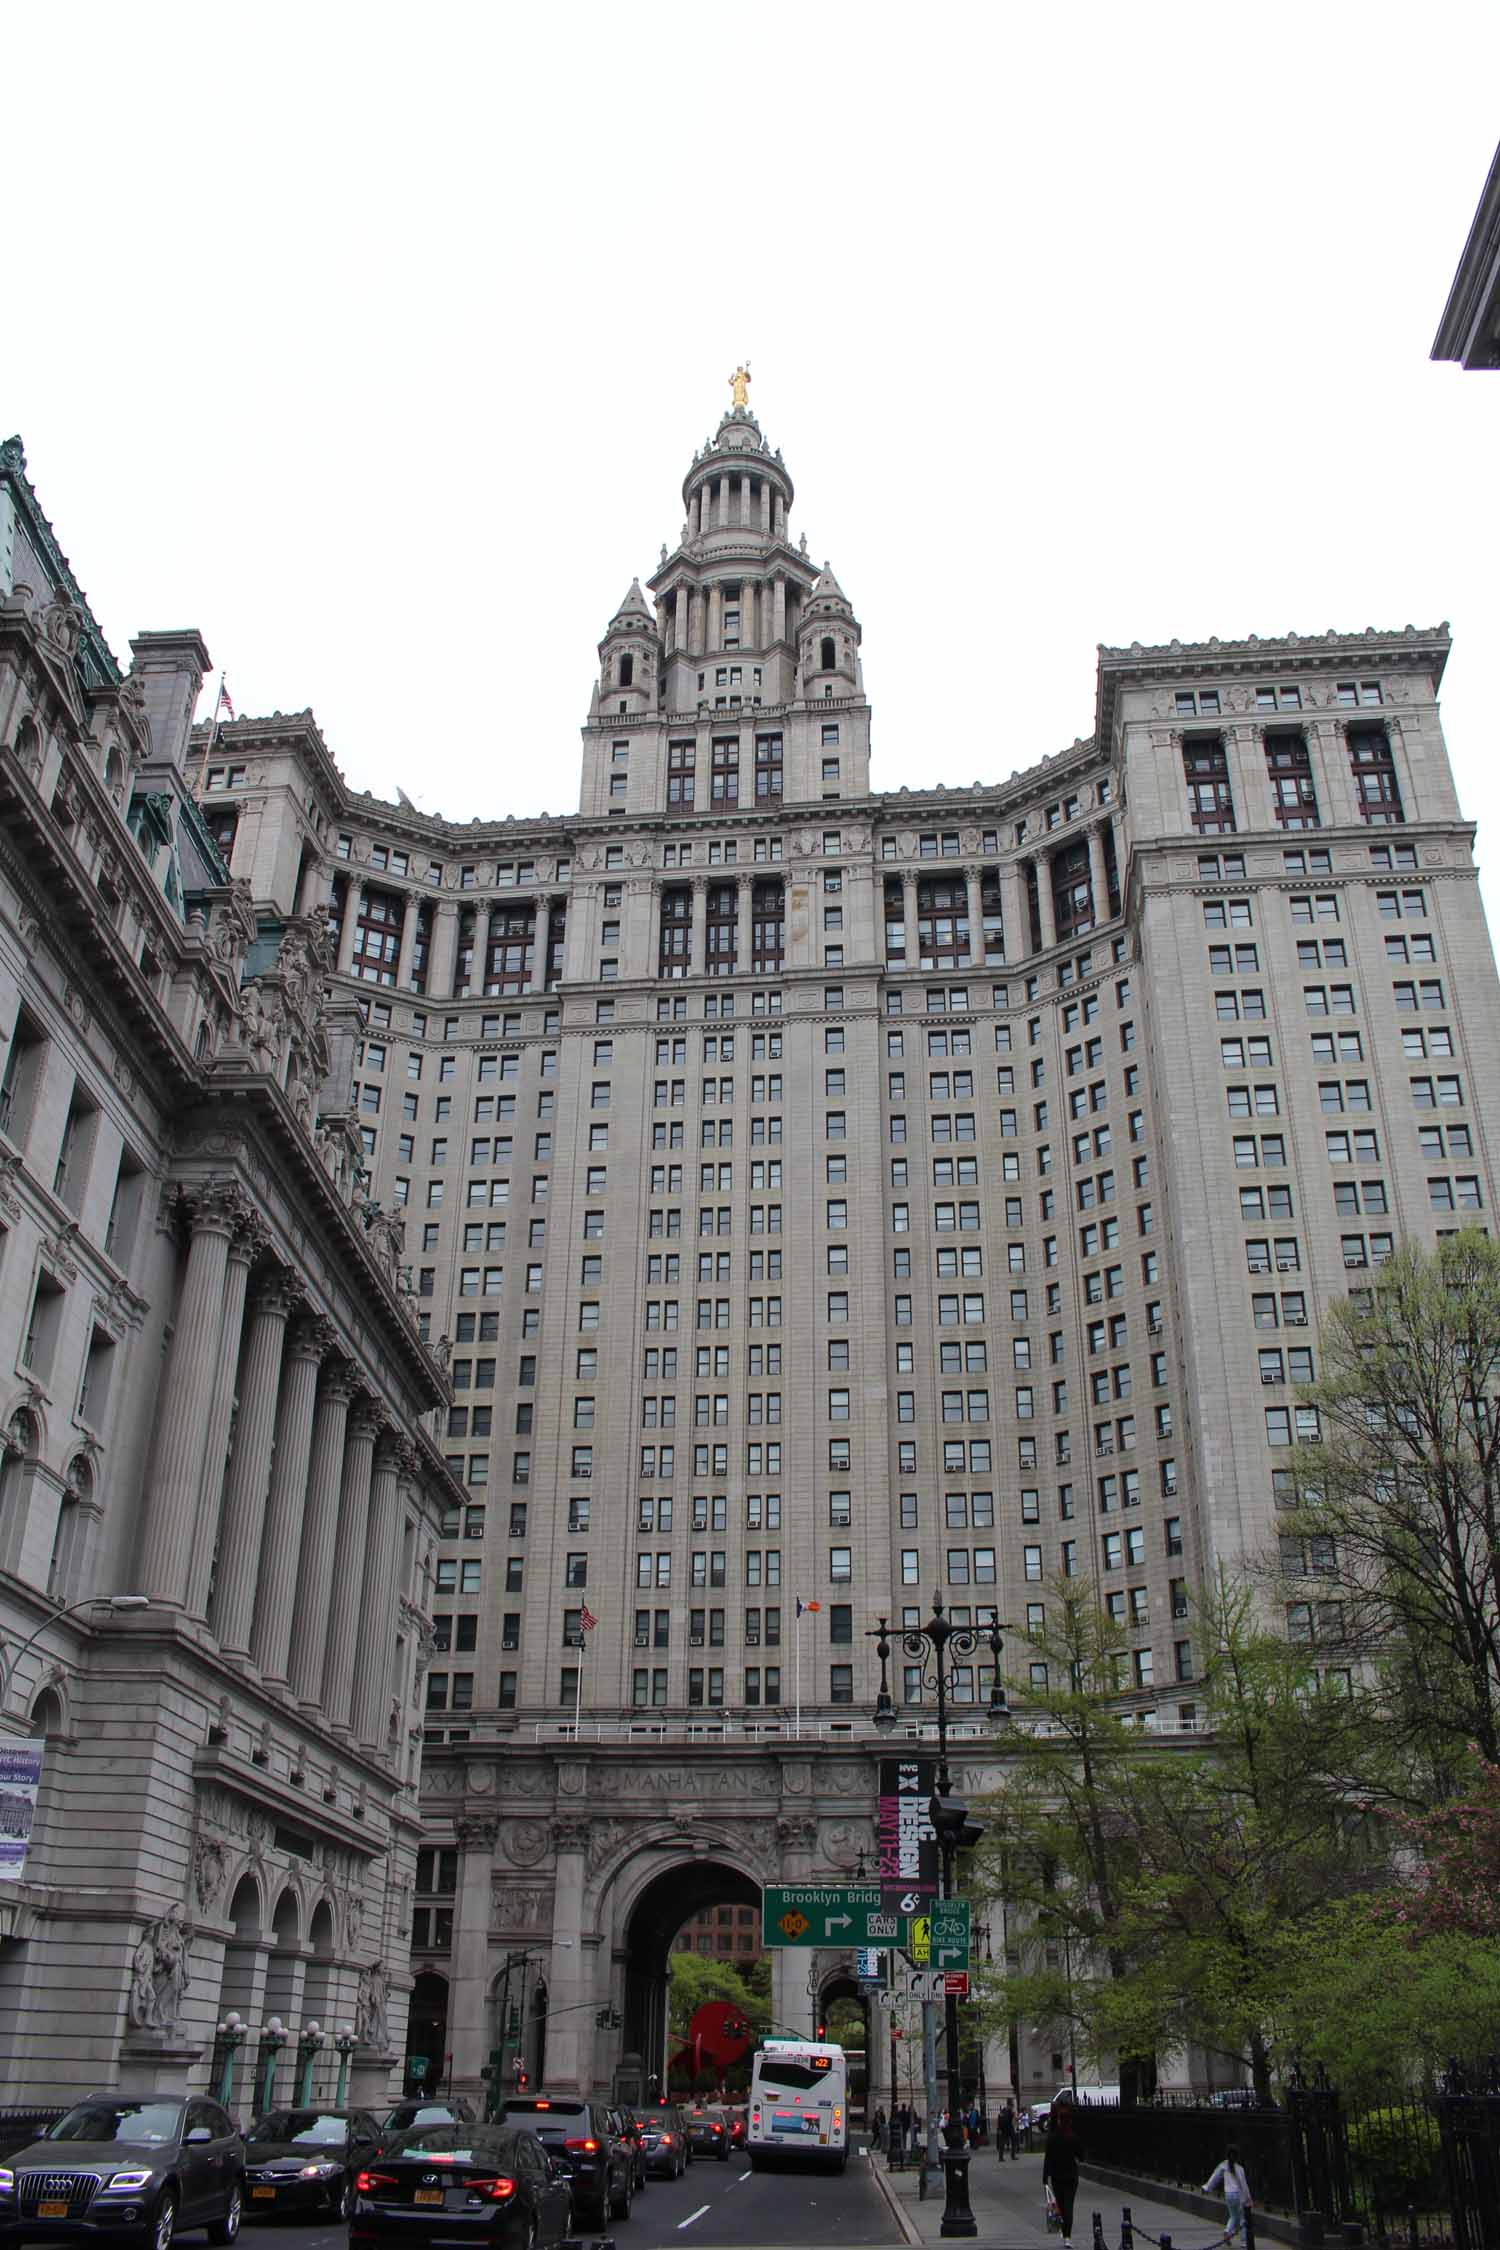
x: 151, y: 2122
x: 301, y: 2128
x: 417, y: 2113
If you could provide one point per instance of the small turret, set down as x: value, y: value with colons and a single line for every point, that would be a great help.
x: 628, y: 659
x: 828, y: 641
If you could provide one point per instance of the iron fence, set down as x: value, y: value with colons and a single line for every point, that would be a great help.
x: 1418, y: 2171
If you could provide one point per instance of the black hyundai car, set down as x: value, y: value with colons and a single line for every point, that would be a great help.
x: 306, y: 2159
x: 130, y: 2169
x: 449, y: 2183
x: 582, y: 2136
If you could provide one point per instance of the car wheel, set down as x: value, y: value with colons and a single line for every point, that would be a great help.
x: 164, y: 2224
x: 222, y: 2230
x: 344, y: 2207
x: 619, y: 2205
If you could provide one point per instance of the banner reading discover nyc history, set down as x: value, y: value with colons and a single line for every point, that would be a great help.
x: 907, y: 1843
x: 20, y: 1778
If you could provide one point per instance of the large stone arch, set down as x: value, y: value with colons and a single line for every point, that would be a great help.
x: 665, y: 1881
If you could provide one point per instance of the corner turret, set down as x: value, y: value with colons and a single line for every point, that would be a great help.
x: 628, y: 660
x: 828, y: 642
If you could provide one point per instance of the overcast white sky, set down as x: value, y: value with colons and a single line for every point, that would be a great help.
x: 376, y: 341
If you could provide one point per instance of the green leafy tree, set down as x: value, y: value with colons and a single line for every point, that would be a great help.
x: 1057, y: 1856
x: 696, y: 1977
x: 1397, y: 1509
x: 1159, y: 1877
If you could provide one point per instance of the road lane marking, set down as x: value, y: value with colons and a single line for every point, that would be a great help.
x: 687, y: 2222
x: 738, y: 2177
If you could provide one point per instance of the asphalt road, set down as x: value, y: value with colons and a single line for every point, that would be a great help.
x: 713, y: 2205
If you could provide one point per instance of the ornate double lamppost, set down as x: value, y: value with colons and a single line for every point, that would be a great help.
x: 941, y: 1649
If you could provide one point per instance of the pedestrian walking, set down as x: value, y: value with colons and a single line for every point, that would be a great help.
x: 1005, y: 2133
x: 1060, y: 2165
x: 973, y: 2124
x: 880, y: 2128
x: 1228, y: 2179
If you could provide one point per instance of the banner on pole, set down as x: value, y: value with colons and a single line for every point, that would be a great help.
x: 20, y: 1779
x: 907, y: 1840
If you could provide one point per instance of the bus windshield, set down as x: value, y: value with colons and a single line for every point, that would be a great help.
x: 781, y: 2070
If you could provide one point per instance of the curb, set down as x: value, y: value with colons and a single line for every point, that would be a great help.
x: 894, y: 2204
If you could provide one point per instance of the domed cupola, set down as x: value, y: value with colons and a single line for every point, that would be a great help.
x: 737, y: 489
x: 628, y: 658
x: 828, y: 641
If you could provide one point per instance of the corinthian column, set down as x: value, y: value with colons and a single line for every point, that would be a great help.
x: 698, y: 927
x: 1046, y: 901
x: 377, y: 1601
x: 315, y: 1571
x: 744, y: 894
x: 250, y: 1467
x: 352, y: 1542
x: 354, y: 892
x: 186, y: 1398
x: 310, y: 1344
x: 248, y: 1241
x: 974, y: 885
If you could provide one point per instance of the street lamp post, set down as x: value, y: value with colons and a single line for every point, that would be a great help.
x: 939, y: 1647
x: 344, y: 2046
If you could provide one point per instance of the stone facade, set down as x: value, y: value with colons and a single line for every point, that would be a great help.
x: 214, y: 1402
x: 817, y: 1198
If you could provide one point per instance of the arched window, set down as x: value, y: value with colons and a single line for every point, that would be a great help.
x: 22, y: 1443
x: 826, y: 654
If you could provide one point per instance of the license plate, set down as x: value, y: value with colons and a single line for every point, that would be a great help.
x: 428, y: 2195
x: 53, y: 2210
x: 263, y: 2195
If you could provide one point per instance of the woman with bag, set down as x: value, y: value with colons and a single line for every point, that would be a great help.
x: 1229, y: 2179
x: 1060, y: 2166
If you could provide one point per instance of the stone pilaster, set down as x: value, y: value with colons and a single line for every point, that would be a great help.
x: 310, y: 1343
x: 698, y: 928
x: 317, y: 1569
x: 250, y: 1467
x: 744, y: 893
x: 411, y: 910
x: 1098, y: 878
x: 187, y: 1397
x: 471, y: 1945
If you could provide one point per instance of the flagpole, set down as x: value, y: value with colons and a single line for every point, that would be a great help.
x: 797, y: 1668
x: 213, y: 729
x: 583, y: 1642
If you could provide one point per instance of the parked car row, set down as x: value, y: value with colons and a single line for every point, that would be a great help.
x: 143, y: 2169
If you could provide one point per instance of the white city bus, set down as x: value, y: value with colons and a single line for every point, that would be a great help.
x: 799, y: 2103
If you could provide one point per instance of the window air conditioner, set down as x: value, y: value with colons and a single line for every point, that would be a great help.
x: 643, y: 1640
x: 1286, y: 1265
x: 695, y: 1640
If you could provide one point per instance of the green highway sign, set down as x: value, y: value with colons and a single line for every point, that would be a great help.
x: 840, y: 1914
x: 950, y: 1933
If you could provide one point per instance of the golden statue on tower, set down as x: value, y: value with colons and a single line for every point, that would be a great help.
x: 739, y: 384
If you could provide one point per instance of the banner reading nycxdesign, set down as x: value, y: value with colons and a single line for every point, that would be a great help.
x: 20, y: 1778
x: 907, y: 1843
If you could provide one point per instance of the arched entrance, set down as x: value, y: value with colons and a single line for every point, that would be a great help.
x: 668, y: 1900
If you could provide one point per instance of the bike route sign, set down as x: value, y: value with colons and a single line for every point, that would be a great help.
x: 842, y: 1914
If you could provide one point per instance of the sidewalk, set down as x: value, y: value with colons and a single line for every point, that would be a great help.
x: 1007, y: 2202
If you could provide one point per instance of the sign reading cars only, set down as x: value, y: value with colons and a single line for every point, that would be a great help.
x: 843, y: 1914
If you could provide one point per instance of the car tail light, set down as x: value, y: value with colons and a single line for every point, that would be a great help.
x: 590, y: 2147
x: 720, y: 2131
x: 497, y: 2191
x: 666, y: 2142
x: 367, y: 2182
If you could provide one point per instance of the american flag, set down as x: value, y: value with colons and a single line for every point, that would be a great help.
x: 586, y: 1619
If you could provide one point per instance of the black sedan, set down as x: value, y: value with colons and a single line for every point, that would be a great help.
x: 664, y: 2150
x: 451, y: 2182
x: 134, y: 2169
x: 306, y: 2159
x: 707, y: 2135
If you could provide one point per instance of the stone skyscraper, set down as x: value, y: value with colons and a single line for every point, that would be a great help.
x: 821, y: 1198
